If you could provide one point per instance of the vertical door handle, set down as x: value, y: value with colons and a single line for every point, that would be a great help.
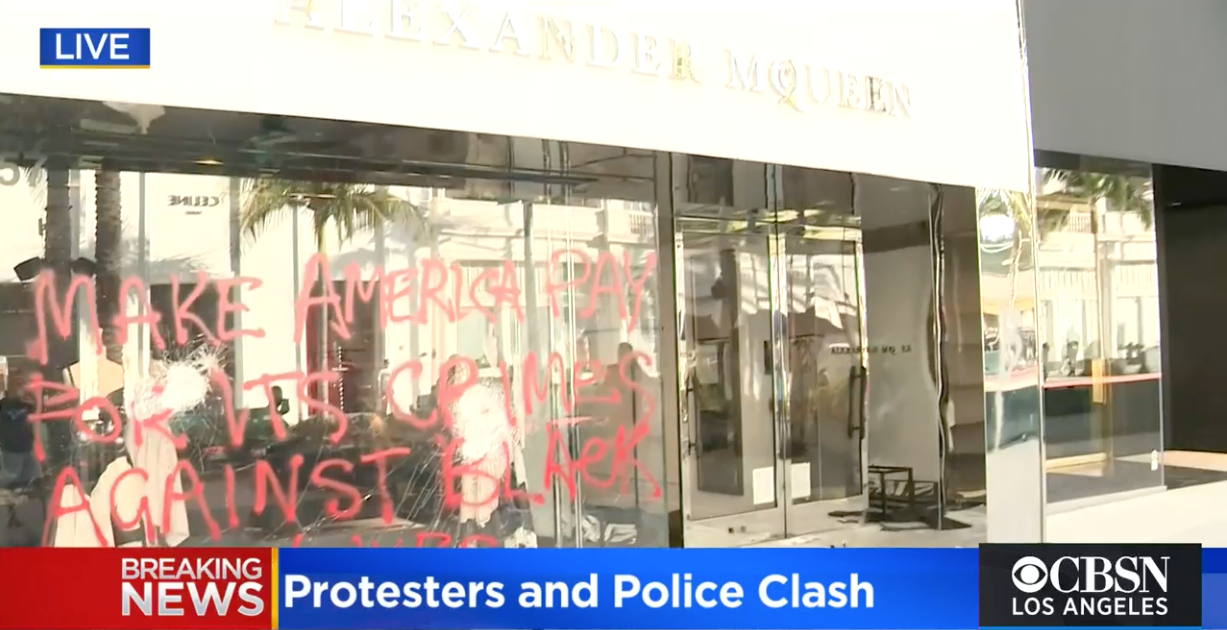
x: 860, y: 397
x: 689, y: 421
x: 856, y: 399
x: 854, y: 380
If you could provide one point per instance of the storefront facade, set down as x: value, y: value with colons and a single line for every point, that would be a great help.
x: 1129, y: 142
x: 572, y: 274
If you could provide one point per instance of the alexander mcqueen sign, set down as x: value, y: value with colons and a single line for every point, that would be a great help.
x: 800, y: 84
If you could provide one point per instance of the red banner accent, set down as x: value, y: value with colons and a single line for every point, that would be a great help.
x: 89, y: 589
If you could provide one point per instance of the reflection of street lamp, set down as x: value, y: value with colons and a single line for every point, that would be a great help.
x: 996, y: 232
x: 28, y: 270
x: 142, y: 114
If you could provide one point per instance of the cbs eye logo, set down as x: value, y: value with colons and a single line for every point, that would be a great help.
x: 1030, y: 575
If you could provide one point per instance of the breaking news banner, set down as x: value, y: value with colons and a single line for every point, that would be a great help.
x: 1149, y: 585
x: 392, y: 589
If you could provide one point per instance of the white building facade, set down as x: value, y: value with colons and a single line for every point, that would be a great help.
x: 722, y: 278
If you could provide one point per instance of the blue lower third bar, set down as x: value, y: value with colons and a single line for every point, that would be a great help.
x: 1090, y: 627
x: 1213, y: 604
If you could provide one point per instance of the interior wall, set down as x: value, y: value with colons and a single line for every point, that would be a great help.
x: 903, y: 419
x: 1192, y: 232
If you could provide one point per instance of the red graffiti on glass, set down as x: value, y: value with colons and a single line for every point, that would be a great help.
x: 438, y: 287
x: 594, y: 416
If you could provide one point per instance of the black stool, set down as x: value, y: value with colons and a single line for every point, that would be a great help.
x: 882, y: 509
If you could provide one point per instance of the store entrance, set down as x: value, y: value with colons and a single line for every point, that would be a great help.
x: 773, y: 371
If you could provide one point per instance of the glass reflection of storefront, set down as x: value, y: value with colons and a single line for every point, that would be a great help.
x: 462, y: 355
x: 1099, y: 321
x: 691, y: 350
x: 767, y: 321
x: 513, y: 342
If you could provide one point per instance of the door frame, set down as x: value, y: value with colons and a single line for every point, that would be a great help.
x: 753, y: 524
x: 814, y: 516
x: 766, y: 523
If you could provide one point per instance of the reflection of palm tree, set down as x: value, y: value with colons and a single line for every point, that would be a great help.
x: 1127, y: 194
x: 1121, y: 194
x: 1124, y: 193
x: 57, y: 252
x: 57, y: 232
x: 348, y: 208
x: 107, y: 253
x: 34, y: 177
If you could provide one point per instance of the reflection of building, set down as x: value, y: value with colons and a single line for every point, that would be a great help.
x: 1096, y: 256
x: 461, y: 234
x: 708, y: 335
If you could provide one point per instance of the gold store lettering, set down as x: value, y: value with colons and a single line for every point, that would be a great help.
x: 799, y: 85
x: 455, y: 24
x: 888, y: 350
x: 803, y: 86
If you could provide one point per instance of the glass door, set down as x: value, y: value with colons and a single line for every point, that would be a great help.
x: 773, y: 368
x: 785, y: 314
x: 824, y: 374
x: 729, y: 361
x: 772, y: 359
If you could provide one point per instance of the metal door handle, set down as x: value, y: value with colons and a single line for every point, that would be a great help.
x: 856, y: 399
x: 686, y: 428
x: 864, y: 383
x: 853, y: 386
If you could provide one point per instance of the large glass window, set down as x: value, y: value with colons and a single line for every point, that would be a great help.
x: 1098, y: 282
x: 343, y: 333
x: 284, y: 331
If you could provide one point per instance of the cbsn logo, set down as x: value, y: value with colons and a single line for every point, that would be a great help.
x: 159, y: 586
x: 1096, y: 586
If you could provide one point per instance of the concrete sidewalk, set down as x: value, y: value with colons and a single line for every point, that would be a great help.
x: 1196, y: 514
